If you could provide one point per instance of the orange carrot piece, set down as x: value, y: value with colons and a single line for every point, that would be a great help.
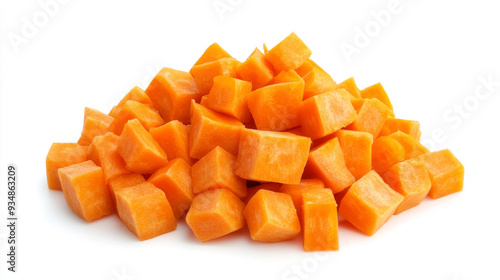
x: 446, y: 172
x: 215, y: 213
x: 171, y: 92
x: 351, y: 87
x: 142, y: 154
x: 123, y: 181
x: 378, y: 92
x: 210, y: 129
x: 296, y: 192
x: 277, y: 157
x: 274, y: 187
x: 174, y: 179
x: 386, y: 151
x: 372, y: 115
x: 103, y: 151
x: 276, y: 107
x: 135, y: 94
x: 212, y: 53
x: 392, y: 125
x: 95, y: 123
x: 62, y: 155
x: 317, y: 81
x: 145, y: 211
x: 305, y: 68
x: 411, y: 179
x: 412, y: 146
x: 85, y: 190
x: 369, y: 203
x: 204, y: 74
x: 173, y: 138
x: 297, y: 131
x: 134, y: 110
x: 326, y: 113
x: 319, y: 220
x: 256, y: 70
x: 289, y: 76
x: 288, y: 54
x: 271, y: 217
x: 357, y: 149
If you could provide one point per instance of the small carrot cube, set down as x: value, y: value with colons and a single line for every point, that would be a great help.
x: 62, y: 155
x: 212, y: 53
x: 103, y: 151
x: 351, y: 87
x: 357, y: 148
x: 135, y: 94
x: 148, y: 116
x: 288, y: 54
x: 317, y: 81
x: 386, y: 151
x: 372, y: 115
x: 85, y: 190
x: 173, y: 138
x: 123, y: 181
x: 289, y: 76
x: 95, y: 123
x: 256, y: 70
x: 296, y: 192
x: 378, y: 92
x: 205, y: 73
x: 412, y: 146
x: 392, y: 125
x: 275, y: 187
x: 145, y: 211
x: 305, y: 68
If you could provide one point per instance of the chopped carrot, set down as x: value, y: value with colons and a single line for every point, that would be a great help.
x: 173, y: 138
x: 351, y: 87
x: 392, y: 125
x: 296, y: 191
x: 212, y: 53
x: 357, y: 149
x: 103, y: 151
x: 95, y: 123
x: 297, y: 131
x: 135, y: 94
x: 289, y: 76
x: 288, y: 54
x: 305, y: 68
x: 123, y: 181
x: 386, y: 151
x: 134, y: 110
x: 317, y: 81
x: 378, y: 92
x: 62, y: 155
x: 275, y: 187
x: 412, y: 146
x: 256, y: 70
x: 204, y: 74
x: 372, y: 115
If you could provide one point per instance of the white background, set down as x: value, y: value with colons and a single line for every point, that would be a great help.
x: 430, y: 56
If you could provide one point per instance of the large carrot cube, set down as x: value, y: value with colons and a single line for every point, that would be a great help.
x: 123, y: 181
x: 386, y: 151
x: 278, y: 157
x: 85, y: 190
x: 378, y: 92
x: 296, y: 192
x: 205, y: 73
x: 350, y: 86
x: 271, y: 217
x: 173, y: 138
x: 215, y: 213
x: 103, y: 151
x: 256, y: 70
x: 369, y: 203
x: 212, y: 53
x: 62, y: 155
x: 95, y: 123
x: 288, y: 54
x: 372, y: 115
x: 357, y: 148
x: 148, y: 116
x: 145, y: 211
x: 317, y: 81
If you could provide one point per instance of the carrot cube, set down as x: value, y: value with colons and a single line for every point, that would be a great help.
x: 446, y: 172
x: 369, y: 203
x: 271, y: 217
x: 276, y: 107
x: 372, y: 115
x: 215, y: 213
x: 85, y: 190
x: 270, y: 156
x: 288, y: 54
x: 357, y: 149
x: 392, y: 125
x: 142, y: 154
x: 145, y: 211
x: 411, y: 179
x: 215, y: 170
x: 134, y: 110
x: 351, y: 87
x: 386, y: 151
x: 305, y: 68
x: 289, y: 76
x: 317, y: 81
x: 95, y: 123
x: 174, y: 179
x: 173, y: 138
x: 256, y: 70
x: 412, y: 146
x: 326, y: 113
x: 123, y: 181
x: 171, y: 92
x: 319, y: 220
x: 296, y: 192
x: 378, y: 92
x: 327, y: 163
x: 103, y: 151
x: 210, y: 129
x: 205, y: 73
x: 274, y: 187
x: 135, y: 94
x: 62, y: 155
x: 212, y: 53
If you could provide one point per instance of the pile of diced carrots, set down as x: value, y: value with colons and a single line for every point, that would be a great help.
x: 272, y: 145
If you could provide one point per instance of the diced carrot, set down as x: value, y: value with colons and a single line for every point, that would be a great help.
x: 317, y: 81
x: 270, y: 156
x: 274, y: 187
x: 372, y: 115
x: 145, y: 210
x: 171, y: 92
x: 173, y: 138
x: 289, y: 76
x: 229, y: 96
x: 135, y: 94
x: 392, y: 125
x: 412, y: 146
x: 256, y: 70
x: 276, y: 107
x: 351, y: 87
x: 95, y: 123
x: 296, y: 191
x: 215, y: 170
x: 288, y: 54
x: 204, y: 74
x: 319, y: 220
x: 378, y: 92
x: 297, y: 131
x: 411, y: 179
x: 215, y: 213
x: 142, y: 154
x: 357, y: 149
x: 85, y: 190
x: 210, y: 129
x: 326, y: 113
x: 212, y: 53
x: 62, y: 155
x: 103, y: 151
x: 305, y: 68
x: 327, y: 163
x: 369, y: 203
x: 123, y: 181
x: 271, y: 217
x: 174, y: 179
x: 446, y: 172
x: 338, y: 196
x: 134, y: 110
x: 386, y: 151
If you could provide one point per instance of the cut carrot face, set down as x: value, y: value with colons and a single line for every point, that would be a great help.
x: 174, y: 179
x: 392, y: 125
x: 319, y: 220
x: 134, y: 110
x: 372, y: 115
x: 142, y: 154
x: 357, y: 149
x: 446, y: 172
x: 204, y: 74
x: 145, y: 211
x: 274, y: 187
x: 85, y: 190
x: 123, y: 181
x: 256, y: 70
x: 135, y: 94
x: 62, y: 155
x: 305, y: 68
x: 411, y: 179
x: 296, y: 192
x: 351, y: 87
x: 215, y: 170
x: 215, y: 213
x: 326, y: 113
x: 210, y: 129
x: 289, y: 76
x: 369, y: 203
x: 276, y: 107
x: 317, y: 81
x: 412, y: 146
x: 288, y: 54
x: 378, y: 92
x: 271, y: 217
x: 212, y: 53
x: 95, y: 123
x: 171, y: 92
x: 386, y: 151
x: 270, y: 156
x: 173, y: 138
x: 229, y: 96
x: 327, y: 163
x: 103, y: 151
